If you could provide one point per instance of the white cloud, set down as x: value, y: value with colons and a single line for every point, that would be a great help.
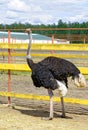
x: 45, y: 12
x: 11, y: 14
x: 22, y: 6
x: 2, y: 1
x: 17, y: 5
x: 70, y: 1
x: 79, y: 18
x: 40, y: 19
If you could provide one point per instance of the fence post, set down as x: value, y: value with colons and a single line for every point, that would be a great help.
x: 9, y: 76
x: 84, y: 40
x: 3, y: 40
x: 52, y: 52
x: 12, y: 51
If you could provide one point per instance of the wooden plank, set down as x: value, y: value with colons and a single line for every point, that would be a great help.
x: 75, y: 47
x: 46, y: 55
x: 46, y: 29
x: 24, y: 67
x: 44, y: 98
x: 13, y: 46
x: 15, y: 67
x: 84, y: 70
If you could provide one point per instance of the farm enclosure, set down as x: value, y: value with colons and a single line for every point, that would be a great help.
x: 21, y: 83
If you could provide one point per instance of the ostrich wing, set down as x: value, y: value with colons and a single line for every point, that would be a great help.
x: 43, y: 77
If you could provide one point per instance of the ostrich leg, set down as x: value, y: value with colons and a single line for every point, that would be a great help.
x: 63, y: 108
x: 51, y: 104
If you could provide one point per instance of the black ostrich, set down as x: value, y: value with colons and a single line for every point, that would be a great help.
x: 52, y: 73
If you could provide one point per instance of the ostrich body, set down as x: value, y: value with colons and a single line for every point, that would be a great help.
x: 52, y: 73
x: 52, y: 68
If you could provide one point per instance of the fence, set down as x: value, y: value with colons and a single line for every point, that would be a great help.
x: 42, y: 47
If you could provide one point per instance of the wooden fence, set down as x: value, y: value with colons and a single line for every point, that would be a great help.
x: 41, y: 47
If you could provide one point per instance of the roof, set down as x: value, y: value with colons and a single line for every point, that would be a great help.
x: 24, y: 36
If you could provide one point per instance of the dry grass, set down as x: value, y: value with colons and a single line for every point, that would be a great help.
x: 22, y: 118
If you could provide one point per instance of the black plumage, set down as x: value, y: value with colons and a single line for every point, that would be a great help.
x: 45, y: 72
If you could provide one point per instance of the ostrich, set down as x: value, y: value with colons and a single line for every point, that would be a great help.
x: 52, y: 73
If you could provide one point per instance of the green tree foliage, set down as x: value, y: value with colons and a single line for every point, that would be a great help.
x: 68, y: 34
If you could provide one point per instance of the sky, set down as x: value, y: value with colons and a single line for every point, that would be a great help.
x: 43, y: 11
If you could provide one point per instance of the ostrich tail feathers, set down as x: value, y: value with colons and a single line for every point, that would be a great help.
x: 62, y: 89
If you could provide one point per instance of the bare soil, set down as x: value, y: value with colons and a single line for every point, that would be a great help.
x: 27, y: 113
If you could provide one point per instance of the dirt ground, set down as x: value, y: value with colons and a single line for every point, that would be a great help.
x: 27, y: 114
x: 23, y: 118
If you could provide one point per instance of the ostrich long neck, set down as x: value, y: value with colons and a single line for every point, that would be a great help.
x: 29, y: 59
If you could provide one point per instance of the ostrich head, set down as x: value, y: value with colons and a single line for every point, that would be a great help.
x: 28, y: 30
x: 80, y: 80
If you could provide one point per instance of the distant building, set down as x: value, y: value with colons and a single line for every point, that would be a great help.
x: 23, y: 38
x: 63, y: 41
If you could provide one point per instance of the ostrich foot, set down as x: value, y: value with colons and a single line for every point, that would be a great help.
x: 63, y: 116
x: 66, y: 117
x: 47, y: 118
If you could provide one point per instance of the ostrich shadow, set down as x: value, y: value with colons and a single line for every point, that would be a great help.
x: 40, y: 113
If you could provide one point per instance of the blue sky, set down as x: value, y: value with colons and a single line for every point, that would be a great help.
x: 43, y: 11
